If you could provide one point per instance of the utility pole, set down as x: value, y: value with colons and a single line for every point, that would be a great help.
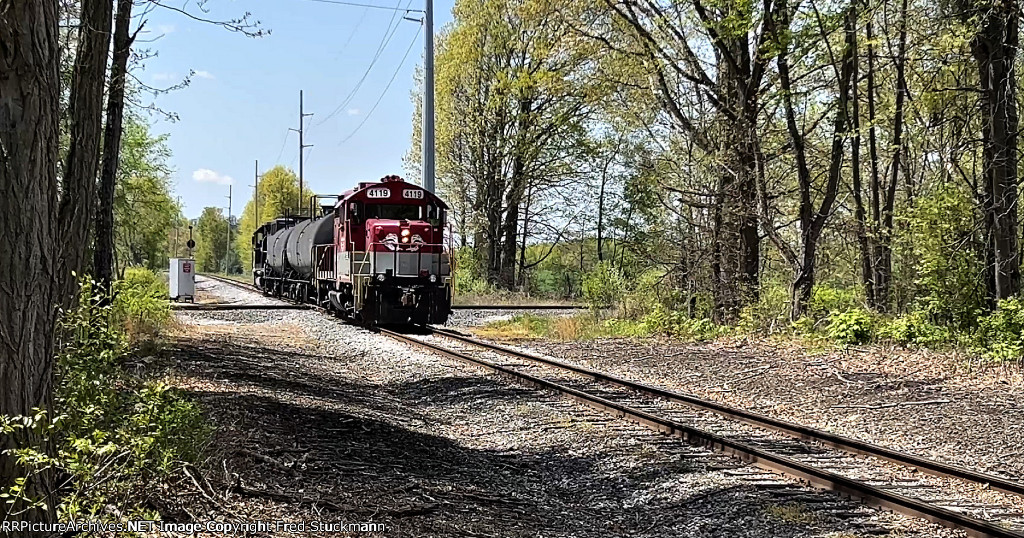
x: 227, y: 247
x: 428, y: 99
x: 176, y: 228
x: 256, y: 198
x: 300, y: 130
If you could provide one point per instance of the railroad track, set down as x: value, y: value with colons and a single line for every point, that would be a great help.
x: 252, y: 288
x: 982, y: 505
x: 517, y: 307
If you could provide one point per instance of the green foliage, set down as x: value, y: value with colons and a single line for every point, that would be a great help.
x: 851, y: 327
x: 677, y: 324
x: 914, y: 328
x: 603, y: 285
x: 579, y: 327
x: 278, y: 196
x: 826, y: 300
x: 145, y: 212
x: 116, y: 435
x: 140, y: 305
x: 1000, y: 335
x: 211, y: 236
x: 949, y: 280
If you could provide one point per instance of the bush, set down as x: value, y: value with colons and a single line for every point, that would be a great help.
x: 140, y: 305
x: 914, y: 328
x: 679, y: 325
x: 828, y: 300
x: 116, y: 434
x: 1000, y: 335
x: 852, y: 327
x: 603, y: 285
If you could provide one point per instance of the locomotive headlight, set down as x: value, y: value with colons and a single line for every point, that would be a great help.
x: 380, y: 277
x: 433, y: 279
x: 405, y: 239
x: 405, y: 232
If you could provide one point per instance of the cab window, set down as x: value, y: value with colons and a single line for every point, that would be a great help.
x: 393, y: 211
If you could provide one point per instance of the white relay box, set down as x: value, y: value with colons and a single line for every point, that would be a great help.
x: 183, y: 279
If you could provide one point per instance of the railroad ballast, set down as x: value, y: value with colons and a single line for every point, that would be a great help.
x: 375, y: 254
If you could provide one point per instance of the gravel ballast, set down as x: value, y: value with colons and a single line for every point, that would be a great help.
x: 320, y: 420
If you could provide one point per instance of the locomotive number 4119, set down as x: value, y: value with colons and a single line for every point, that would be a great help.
x: 414, y: 194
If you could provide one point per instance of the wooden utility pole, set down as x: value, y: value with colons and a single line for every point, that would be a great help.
x: 302, y: 147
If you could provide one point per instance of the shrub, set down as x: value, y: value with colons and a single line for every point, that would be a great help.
x: 828, y: 300
x: 1000, y: 335
x: 851, y: 327
x: 140, y: 305
x: 603, y: 285
x: 677, y: 324
x: 116, y: 434
x: 914, y: 328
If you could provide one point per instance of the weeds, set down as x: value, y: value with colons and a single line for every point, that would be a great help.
x: 116, y: 435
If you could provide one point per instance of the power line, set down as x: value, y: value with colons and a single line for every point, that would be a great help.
x: 386, y: 88
x: 369, y: 6
x: 354, y: 29
x: 385, y: 41
x: 283, y: 144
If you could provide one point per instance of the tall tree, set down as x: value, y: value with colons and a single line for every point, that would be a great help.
x: 103, y: 254
x: 673, y: 43
x: 29, y: 289
x: 810, y: 218
x: 211, y: 240
x: 278, y: 196
x: 45, y: 217
x: 78, y: 184
x: 994, y: 46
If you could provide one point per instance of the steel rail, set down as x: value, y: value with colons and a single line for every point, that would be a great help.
x: 518, y: 307
x: 867, y: 493
x: 847, y: 444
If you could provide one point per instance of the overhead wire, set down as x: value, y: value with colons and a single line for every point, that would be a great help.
x: 354, y: 30
x: 385, y: 41
x: 368, y: 6
x: 283, y: 144
x: 386, y: 88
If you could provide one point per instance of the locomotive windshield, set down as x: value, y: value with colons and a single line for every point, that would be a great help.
x: 393, y: 211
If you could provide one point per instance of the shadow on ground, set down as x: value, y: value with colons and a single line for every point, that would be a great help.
x: 299, y: 439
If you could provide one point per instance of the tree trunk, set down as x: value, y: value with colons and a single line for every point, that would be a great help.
x: 78, y: 186
x: 30, y: 278
x: 995, y: 49
x: 103, y: 256
x: 859, y: 212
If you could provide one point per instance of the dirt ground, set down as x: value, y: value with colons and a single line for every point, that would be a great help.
x: 320, y: 422
x: 942, y: 406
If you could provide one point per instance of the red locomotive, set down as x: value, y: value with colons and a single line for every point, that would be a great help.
x: 375, y: 255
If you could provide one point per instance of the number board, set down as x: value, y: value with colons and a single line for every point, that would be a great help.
x: 378, y: 193
x: 415, y: 194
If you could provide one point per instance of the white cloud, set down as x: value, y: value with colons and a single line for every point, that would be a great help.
x: 205, y: 175
x: 165, y: 29
x: 353, y: 112
x: 203, y: 74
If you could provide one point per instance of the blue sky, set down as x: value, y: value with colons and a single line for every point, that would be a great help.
x: 244, y: 95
